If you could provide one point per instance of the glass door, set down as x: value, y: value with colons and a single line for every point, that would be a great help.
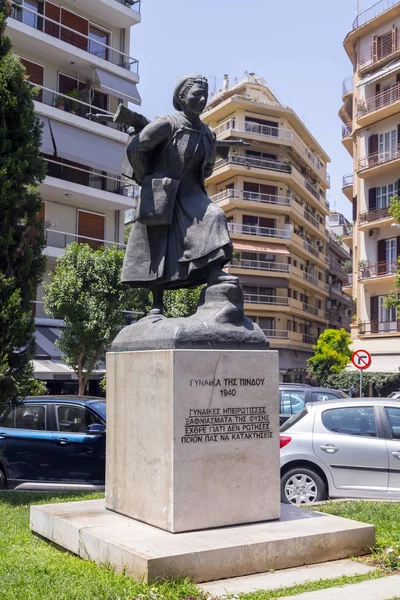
x: 387, y: 145
x: 387, y: 317
x: 391, y: 255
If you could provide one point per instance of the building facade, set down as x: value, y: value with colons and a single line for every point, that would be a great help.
x: 340, y: 304
x: 78, y: 57
x: 273, y: 192
x: 371, y: 134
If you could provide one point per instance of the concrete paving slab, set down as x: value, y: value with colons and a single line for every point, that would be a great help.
x: 385, y: 588
x: 300, y: 537
x: 285, y: 578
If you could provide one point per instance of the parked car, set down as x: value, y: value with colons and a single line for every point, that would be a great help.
x: 52, y: 439
x: 293, y: 397
x: 347, y: 448
x: 394, y: 395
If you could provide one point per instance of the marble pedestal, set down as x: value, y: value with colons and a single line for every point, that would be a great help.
x: 193, y: 437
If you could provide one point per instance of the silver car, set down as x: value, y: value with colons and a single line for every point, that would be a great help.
x: 341, y: 448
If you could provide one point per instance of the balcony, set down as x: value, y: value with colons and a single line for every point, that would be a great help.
x: 71, y: 105
x: 315, y: 281
x: 347, y: 186
x: 348, y: 280
x: 74, y: 41
x: 311, y: 219
x: 86, y: 186
x: 377, y: 270
x: 379, y: 161
x: 135, y: 5
x: 262, y: 299
x: 370, y: 216
x: 378, y: 327
x: 250, y: 196
x: 259, y: 231
x: 259, y: 265
x: 385, y: 102
x: 339, y: 293
x: 279, y: 135
x: 291, y: 336
x: 386, y: 48
x: 347, y: 139
x: 276, y: 334
x: 372, y: 12
x: 259, y: 163
x: 39, y: 312
x: 60, y: 239
x: 347, y: 86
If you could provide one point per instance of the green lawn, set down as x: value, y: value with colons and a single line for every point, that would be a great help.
x: 32, y: 569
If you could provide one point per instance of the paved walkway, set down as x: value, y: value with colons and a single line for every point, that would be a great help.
x: 285, y: 578
x: 386, y: 588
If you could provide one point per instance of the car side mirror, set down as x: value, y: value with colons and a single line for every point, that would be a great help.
x: 96, y: 429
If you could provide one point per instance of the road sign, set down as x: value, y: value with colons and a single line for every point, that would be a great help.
x: 361, y: 359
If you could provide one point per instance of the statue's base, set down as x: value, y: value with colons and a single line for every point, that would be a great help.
x: 300, y: 537
x: 218, y: 324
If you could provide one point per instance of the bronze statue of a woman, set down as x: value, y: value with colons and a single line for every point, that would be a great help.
x: 190, y: 245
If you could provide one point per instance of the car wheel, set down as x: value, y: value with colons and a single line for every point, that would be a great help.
x: 302, y: 486
x: 3, y: 484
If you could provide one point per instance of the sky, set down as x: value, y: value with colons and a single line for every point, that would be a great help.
x: 297, y: 46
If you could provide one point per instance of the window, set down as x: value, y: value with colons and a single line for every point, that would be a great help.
x: 358, y: 421
x: 7, y: 417
x: 98, y: 42
x: 90, y: 225
x: 30, y: 416
x: 384, y: 193
x: 393, y: 415
x: 387, y: 317
x: 291, y: 402
x: 322, y: 396
x: 31, y: 15
x: 74, y: 419
x: 391, y: 254
x: 387, y: 145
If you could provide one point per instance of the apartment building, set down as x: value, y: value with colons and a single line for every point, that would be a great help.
x: 78, y: 56
x: 274, y: 194
x: 371, y: 134
x: 340, y: 304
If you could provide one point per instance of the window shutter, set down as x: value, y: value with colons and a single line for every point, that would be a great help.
x: 374, y: 48
x: 381, y: 257
x: 374, y: 312
x: 79, y: 25
x: 372, y: 199
x: 394, y: 38
x: 398, y: 77
x: 372, y: 144
x: 92, y: 226
x: 354, y: 208
x: 52, y: 12
x: 398, y: 247
x: 398, y: 136
x: 377, y: 96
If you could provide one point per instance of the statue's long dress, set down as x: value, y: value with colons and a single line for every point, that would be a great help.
x: 181, y: 254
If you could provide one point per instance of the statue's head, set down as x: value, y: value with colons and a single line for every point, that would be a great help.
x: 191, y: 94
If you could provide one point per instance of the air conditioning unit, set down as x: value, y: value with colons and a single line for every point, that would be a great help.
x: 374, y: 233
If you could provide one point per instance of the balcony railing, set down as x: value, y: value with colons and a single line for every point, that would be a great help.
x: 71, y: 105
x: 348, y: 280
x: 311, y: 279
x: 252, y: 196
x: 309, y: 217
x: 348, y: 180
x: 377, y: 270
x: 347, y: 230
x: 61, y: 239
x: 259, y: 163
x: 373, y: 11
x: 312, y: 310
x: 40, y: 313
x: 309, y: 339
x: 279, y: 133
x: 347, y: 130
x: 134, y: 4
x: 379, y: 327
x: 373, y: 215
x: 339, y: 292
x: 378, y: 158
x: 71, y: 36
x: 385, y: 48
x: 277, y: 334
x: 263, y: 299
x: 312, y: 189
x: 256, y: 230
x: 347, y: 85
x: 385, y: 98
x: 260, y: 265
x: 86, y: 177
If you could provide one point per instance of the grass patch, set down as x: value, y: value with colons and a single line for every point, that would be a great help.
x: 31, y: 569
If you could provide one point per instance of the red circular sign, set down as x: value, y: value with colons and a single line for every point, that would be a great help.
x: 361, y: 359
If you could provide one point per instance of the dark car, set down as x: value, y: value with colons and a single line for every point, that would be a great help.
x: 52, y: 439
x: 293, y: 397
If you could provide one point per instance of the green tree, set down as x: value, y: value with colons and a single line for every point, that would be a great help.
x: 21, y: 233
x: 331, y: 355
x: 383, y: 383
x: 85, y: 291
x: 181, y: 303
x: 393, y: 299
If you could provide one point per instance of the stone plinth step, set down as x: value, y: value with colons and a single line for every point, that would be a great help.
x: 300, y: 537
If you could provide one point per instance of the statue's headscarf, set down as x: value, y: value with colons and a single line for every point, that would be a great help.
x: 183, y: 86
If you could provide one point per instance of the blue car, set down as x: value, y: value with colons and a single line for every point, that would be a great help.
x: 50, y: 439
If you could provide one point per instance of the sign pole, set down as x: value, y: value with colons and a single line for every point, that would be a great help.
x: 361, y: 384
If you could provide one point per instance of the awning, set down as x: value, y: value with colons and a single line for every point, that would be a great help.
x: 46, y: 144
x: 381, y: 363
x: 118, y: 87
x: 260, y: 247
x: 52, y: 369
x: 87, y: 148
x: 390, y: 68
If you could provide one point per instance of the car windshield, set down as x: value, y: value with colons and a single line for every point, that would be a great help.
x: 99, y: 407
x: 294, y: 419
x: 394, y: 395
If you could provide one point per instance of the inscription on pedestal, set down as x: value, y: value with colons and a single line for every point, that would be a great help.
x: 228, y: 423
